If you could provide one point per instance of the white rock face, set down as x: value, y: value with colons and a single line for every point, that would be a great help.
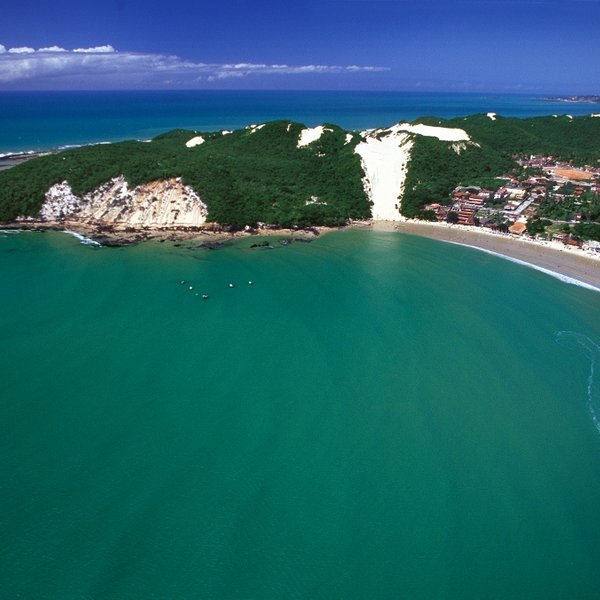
x: 60, y: 202
x: 166, y: 203
x: 195, y: 141
x: 384, y: 156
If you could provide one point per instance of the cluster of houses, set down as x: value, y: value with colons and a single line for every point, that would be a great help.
x: 517, y: 200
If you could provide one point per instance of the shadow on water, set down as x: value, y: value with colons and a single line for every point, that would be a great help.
x: 579, y: 342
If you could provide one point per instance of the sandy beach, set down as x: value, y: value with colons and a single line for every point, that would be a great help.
x: 552, y: 256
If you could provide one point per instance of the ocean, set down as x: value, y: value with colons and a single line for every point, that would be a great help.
x: 377, y: 415
x: 43, y: 120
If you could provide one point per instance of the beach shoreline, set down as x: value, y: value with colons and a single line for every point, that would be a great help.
x: 549, y: 256
x: 553, y: 257
x: 209, y: 235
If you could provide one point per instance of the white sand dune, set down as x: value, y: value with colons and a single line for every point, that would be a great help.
x: 195, y: 141
x: 445, y: 134
x: 385, y: 154
x: 310, y: 135
x: 384, y: 161
x: 255, y: 128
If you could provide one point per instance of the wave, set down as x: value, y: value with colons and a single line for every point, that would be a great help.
x: 578, y: 341
x: 84, y: 240
x: 52, y: 149
x: 559, y: 276
x: 70, y: 146
x: 18, y: 153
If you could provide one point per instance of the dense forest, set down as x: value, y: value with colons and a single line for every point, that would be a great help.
x: 245, y: 177
x: 435, y: 169
x: 261, y: 175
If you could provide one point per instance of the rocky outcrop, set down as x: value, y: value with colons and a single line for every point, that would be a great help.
x: 158, y: 204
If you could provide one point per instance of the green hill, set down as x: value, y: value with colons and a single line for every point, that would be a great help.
x: 245, y: 177
x: 261, y: 175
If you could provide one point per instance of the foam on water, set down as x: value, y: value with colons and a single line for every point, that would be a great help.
x: 11, y: 154
x: 577, y: 341
x: 559, y: 276
x: 84, y: 240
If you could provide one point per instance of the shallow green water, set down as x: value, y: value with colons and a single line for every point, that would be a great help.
x: 378, y: 416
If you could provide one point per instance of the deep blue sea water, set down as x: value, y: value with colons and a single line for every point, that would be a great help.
x: 42, y: 120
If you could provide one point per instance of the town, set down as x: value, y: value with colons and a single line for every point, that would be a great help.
x: 543, y: 198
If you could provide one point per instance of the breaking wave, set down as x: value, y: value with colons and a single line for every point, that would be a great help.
x: 578, y: 342
x: 559, y: 276
x: 84, y: 240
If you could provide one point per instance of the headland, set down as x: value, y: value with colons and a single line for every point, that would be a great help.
x: 523, y: 188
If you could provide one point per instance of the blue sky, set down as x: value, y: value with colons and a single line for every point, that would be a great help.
x: 545, y: 46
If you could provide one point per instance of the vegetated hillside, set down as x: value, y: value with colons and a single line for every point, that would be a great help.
x: 576, y: 139
x: 436, y: 168
x: 259, y: 174
x: 245, y: 177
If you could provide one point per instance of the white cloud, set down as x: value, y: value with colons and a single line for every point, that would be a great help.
x: 103, y: 63
x: 21, y: 50
x: 95, y: 50
x: 52, y: 49
x: 227, y: 71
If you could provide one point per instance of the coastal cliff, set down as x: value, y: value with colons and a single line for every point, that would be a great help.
x: 157, y: 204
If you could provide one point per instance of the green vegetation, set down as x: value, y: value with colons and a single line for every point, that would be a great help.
x: 489, y: 183
x: 587, y: 231
x: 587, y: 206
x: 537, y: 226
x: 260, y: 175
x: 575, y: 139
x: 436, y: 168
x: 244, y: 177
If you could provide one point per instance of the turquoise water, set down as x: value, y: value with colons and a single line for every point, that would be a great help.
x: 377, y: 416
x: 44, y: 120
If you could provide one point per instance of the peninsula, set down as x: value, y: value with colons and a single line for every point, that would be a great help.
x: 538, y: 178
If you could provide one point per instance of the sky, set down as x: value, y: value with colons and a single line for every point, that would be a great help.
x: 537, y: 46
